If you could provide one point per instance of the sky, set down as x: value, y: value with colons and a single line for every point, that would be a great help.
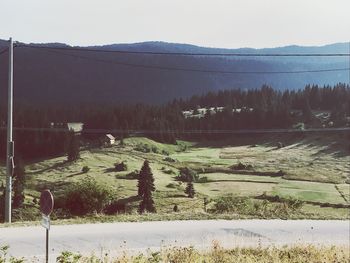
x: 210, y: 23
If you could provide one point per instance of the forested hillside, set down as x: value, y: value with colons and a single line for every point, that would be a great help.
x: 264, y: 108
x: 79, y: 76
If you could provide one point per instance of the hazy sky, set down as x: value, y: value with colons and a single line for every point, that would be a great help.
x: 214, y: 23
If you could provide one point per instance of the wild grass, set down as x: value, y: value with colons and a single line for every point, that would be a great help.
x: 217, y: 254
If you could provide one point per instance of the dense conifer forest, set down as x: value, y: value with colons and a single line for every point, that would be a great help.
x: 37, y: 136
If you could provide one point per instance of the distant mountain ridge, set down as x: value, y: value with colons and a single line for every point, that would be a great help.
x: 95, y: 77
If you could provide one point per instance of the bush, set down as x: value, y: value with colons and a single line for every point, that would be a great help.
x: 85, y: 169
x: 120, y: 167
x: 67, y: 256
x: 116, y: 207
x: 231, y: 203
x: 168, y: 171
x: 241, y: 166
x: 293, y: 203
x: 145, y: 148
x: 155, y: 149
x: 88, y: 196
x: 280, y: 173
x: 169, y: 159
x: 132, y: 175
x: 171, y: 185
x: 187, y: 175
x: 273, y: 206
x: 164, y: 152
x: 203, y: 179
x: 280, y: 145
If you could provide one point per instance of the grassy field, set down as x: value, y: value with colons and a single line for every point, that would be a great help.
x: 313, y: 169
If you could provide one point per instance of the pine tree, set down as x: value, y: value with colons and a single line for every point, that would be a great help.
x: 72, y: 147
x: 306, y: 109
x: 121, y: 142
x: 147, y: 203
x: 145, y: 188
x: 19, y: 184
x: 2, y: 201
x: 190, y: 189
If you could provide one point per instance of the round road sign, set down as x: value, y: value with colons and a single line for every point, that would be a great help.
x: 46, y: 202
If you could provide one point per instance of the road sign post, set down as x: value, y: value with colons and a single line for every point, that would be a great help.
x: 46, y: 207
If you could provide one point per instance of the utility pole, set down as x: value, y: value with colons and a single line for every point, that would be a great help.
x: 10, y: 144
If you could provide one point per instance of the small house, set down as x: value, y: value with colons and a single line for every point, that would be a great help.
x: 107, y: 140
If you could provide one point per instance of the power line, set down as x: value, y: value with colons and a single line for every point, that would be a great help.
x: 240, y: 131
x: 191, y: 54
x: 195, y: 70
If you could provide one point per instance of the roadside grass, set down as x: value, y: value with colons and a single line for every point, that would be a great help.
x: 186, y: 212
x: 216, y: 254
x: 286, y: 254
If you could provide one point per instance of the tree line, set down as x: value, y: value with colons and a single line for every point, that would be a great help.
x: 259, y: 108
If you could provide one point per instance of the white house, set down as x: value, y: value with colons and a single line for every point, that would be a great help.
x: 110, y: 139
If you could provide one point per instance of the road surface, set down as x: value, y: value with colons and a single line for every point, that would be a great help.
x: 114, y: 238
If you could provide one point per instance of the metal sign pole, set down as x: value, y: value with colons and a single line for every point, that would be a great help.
x: 10, y: 146
x: 46, y: 208
x: 47, y: 245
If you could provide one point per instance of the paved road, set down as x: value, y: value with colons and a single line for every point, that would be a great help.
x: 113, y: 238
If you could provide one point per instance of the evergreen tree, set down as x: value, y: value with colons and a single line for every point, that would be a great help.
x: 145, y: 188
x: 2, y: 200
x: 121, y: 142
x: 190, y: 189
x: 19, y: 184
x: 72, y: 147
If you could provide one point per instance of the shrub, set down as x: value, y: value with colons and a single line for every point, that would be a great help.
x: 145, y: 148
x: 169, y: 159
x: 67, y: 256
x: 203, y: 179
x: 280, y: 145
x: 155, y: 149
x: 116, y: 207
x: 171, y: 185
x: 133, y: 175
x: 187, y: 174
x: 293, y: 203
x: 232, y: 203
x: 85, y: 169
x: 168, y: 171
x: 280, y: 173
x: 272, y: 206
x: 241, y: 166
x: 88, y: 196
x: 120, y: 167
x: 164, y: 152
